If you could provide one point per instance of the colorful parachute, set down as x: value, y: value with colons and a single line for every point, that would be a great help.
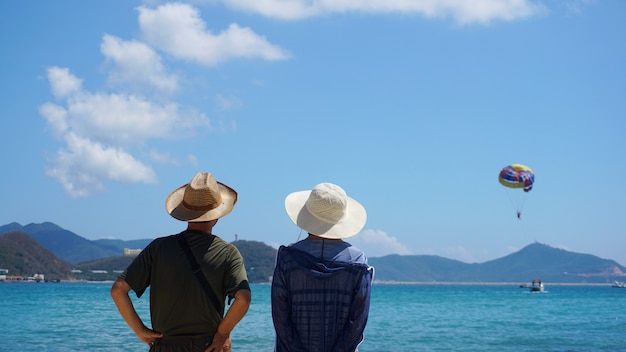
x: 517, y: 176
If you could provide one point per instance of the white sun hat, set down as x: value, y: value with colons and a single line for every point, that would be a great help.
x: 326, y: 211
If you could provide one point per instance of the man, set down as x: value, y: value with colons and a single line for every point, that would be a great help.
x: 321, y: 285
x: 186, y: 314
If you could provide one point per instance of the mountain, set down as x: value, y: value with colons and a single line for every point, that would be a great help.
x: 417, y: 268
x: 106, y: 254
x: 103, y: 269
x: 553, y: 264
x: 10, y: 227
x: 21, y: 255
x: 71, y: 247
x: 533, y: 261
x: 259, y: 259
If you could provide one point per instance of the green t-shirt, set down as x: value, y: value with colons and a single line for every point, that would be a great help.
x: 178, y: 304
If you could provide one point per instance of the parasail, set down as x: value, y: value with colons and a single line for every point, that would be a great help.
x: 517, y: 176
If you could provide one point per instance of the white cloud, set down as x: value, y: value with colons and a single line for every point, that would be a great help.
x: 127, y: 119
x: 462, y: 11
x: 83, y: 164
x: 377, y: 243
x: 62, y: 82
x: 178, y: 30
x: 102, y: 130
x: 136, y: 64
x: 99, y: 131
x: 57, y: 118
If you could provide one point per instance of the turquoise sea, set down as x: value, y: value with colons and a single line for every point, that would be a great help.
x: 82, y: 317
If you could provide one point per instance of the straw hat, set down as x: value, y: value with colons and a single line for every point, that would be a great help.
x: 326, y: 211
x: 202, y: 199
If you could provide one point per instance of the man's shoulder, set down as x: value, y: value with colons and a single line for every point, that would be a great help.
x: 218, y: 241
x: 162, y: 239
x: 158, y: 240
x: 220, y: 245
x: 160, y: 243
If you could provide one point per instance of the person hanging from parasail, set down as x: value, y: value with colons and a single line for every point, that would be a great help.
x: 517, y: 176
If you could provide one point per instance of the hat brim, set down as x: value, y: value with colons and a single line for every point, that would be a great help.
x: 350, y: 225
x: 174, y: 205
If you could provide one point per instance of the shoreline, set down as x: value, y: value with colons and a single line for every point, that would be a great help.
x: 469, y: 283
x: 390, y: 283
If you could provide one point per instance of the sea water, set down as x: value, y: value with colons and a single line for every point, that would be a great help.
x: 82, y: 317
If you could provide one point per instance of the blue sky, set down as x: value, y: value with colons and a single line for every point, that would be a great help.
x: 413, y: 107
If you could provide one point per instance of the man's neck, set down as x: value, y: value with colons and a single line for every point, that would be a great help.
x: 205, y: 226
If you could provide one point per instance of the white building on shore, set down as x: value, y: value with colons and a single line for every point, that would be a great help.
x: 131, y: 252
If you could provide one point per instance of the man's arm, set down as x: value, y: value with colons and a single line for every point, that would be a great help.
x: 119, y: 293
x: 236, y: 312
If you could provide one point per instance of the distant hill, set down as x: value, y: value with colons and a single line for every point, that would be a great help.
x: 417, y: 268
x: 552, y: 264
x: 106, y: 254
x: 71, y: 247
x: 259, y: 259
x: 103, y: 269
x: 533, y: 261
x: 24, y: 256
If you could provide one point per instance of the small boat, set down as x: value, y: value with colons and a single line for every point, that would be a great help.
x: 535, y: 286
x: 619, y: 284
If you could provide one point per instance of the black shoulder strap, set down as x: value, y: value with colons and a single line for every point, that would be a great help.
x: 198, y: 272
